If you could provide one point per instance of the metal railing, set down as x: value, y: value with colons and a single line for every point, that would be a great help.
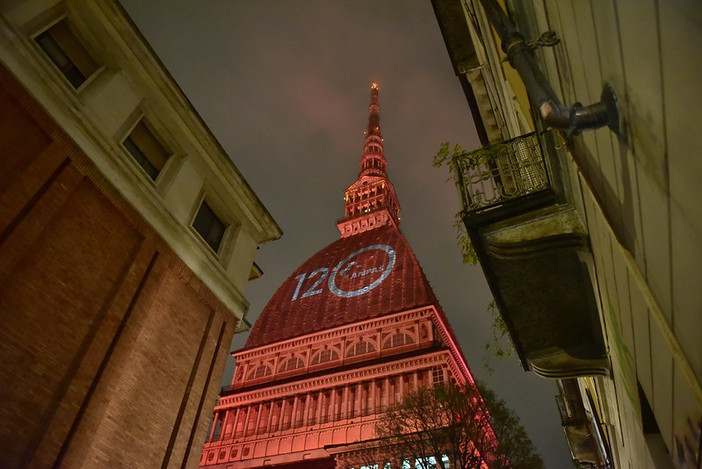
x: 505, y: 171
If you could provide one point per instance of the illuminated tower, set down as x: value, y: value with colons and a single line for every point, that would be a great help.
x: 345, y: 336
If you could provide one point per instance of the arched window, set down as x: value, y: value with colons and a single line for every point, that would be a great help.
x: 292, y: 364
x: 398, y: 340
x: 326, y: 355
x: 260, y: 372
x: 360, y: 348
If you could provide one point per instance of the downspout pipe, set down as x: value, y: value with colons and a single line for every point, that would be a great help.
x: 572, y: 119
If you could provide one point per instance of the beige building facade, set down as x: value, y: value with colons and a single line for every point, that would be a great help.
x: 601, y: 217
x: 127, y: 238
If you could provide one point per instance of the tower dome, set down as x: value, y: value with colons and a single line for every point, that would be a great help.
x: 348, y: 334
x: 354, y: 278
x: 371, y: 271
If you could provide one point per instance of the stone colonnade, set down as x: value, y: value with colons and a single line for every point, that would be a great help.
x: 343, y: 402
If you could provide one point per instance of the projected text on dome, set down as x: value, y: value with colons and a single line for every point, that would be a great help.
x: 358, y: 273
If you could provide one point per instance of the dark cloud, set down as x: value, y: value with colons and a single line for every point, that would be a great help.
x: 284, y: 85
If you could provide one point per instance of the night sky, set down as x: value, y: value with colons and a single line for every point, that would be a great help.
x: 285, y: 86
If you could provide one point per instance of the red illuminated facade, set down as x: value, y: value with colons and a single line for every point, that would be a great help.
x: 350, y: 332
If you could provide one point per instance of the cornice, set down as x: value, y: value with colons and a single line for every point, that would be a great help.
x: 341, y: 331
x: 335, y: 379
x: 462, y: 370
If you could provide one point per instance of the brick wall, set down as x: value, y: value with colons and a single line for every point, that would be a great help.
x: 111, y: 350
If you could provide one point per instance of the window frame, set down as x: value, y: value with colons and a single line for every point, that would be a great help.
x: 317, y: 357
x: 253, y: 373
x: 351, y: 350
x: 407, y: 340
x: 94, y: 68
x: 204, y: 200
x: 142, y: 119
x: 283, y: 366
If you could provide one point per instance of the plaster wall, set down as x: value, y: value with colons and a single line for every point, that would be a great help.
x: 638, y: 190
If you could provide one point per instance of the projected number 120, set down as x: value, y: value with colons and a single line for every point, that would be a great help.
x: 346, y: 269
x: 315, y: 289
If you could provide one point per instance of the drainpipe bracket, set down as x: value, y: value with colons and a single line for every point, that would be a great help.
x: 609, y: 99
x: 573, y: 128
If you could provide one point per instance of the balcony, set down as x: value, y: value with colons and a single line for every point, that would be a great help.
x: 492, y: 178
x: 588, y: 447
x: 534, y: 250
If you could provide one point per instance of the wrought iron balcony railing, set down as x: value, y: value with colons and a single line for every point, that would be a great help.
x: 505, y: 171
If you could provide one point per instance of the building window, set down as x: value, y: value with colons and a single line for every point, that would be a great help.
x: 360, y: 348
x: 209, y: 226
x: 146, y: 149
x: 326, y: 355
x: 67, y: 53
x: 260, y: 372
x: 398, y: 340
x: 292, y: 364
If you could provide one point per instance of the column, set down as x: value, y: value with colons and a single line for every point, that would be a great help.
x: 258, y: 418
x: 314, y: 404
x: 219, y: 419
x: 281, y: 420
x: 236, y: 415
x: 227, y: 424
x: 374, y: 394
x: 359, y: 400
x: 387, y: 393
x: 332, y: 407
x: 246, y: 421
x: 277, y: 421
x: 306, y: 409
x: 214, y: 427
x: 293, y: 416
x: 415, y: 383
x: 270, y: 416
x: 353, y: 395
x: 240, y: 416
x: 320, y: 398
x: 345, y: 402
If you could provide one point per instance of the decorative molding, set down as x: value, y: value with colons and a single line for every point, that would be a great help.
x: 342, y: 331
x: 372, y: 331
x: 333, y: 380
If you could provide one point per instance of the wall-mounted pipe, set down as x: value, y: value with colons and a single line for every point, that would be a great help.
x: 571, y: 119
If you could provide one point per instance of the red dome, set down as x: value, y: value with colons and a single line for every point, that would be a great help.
x: 353, y: 279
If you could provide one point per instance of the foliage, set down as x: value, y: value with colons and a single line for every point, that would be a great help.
x: 514, y: 443
x: 458, y: 161
x: 455, y: 159
x: 468, y: 254
x: 457, y: 156
x: 459, y: 423
x: 450, y: 158
x: 501, y: 344
x: 447, y: 157
x: 462, y: 163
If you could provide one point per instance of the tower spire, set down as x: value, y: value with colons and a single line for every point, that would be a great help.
x: 373, y: 161
x: 371, y: 201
